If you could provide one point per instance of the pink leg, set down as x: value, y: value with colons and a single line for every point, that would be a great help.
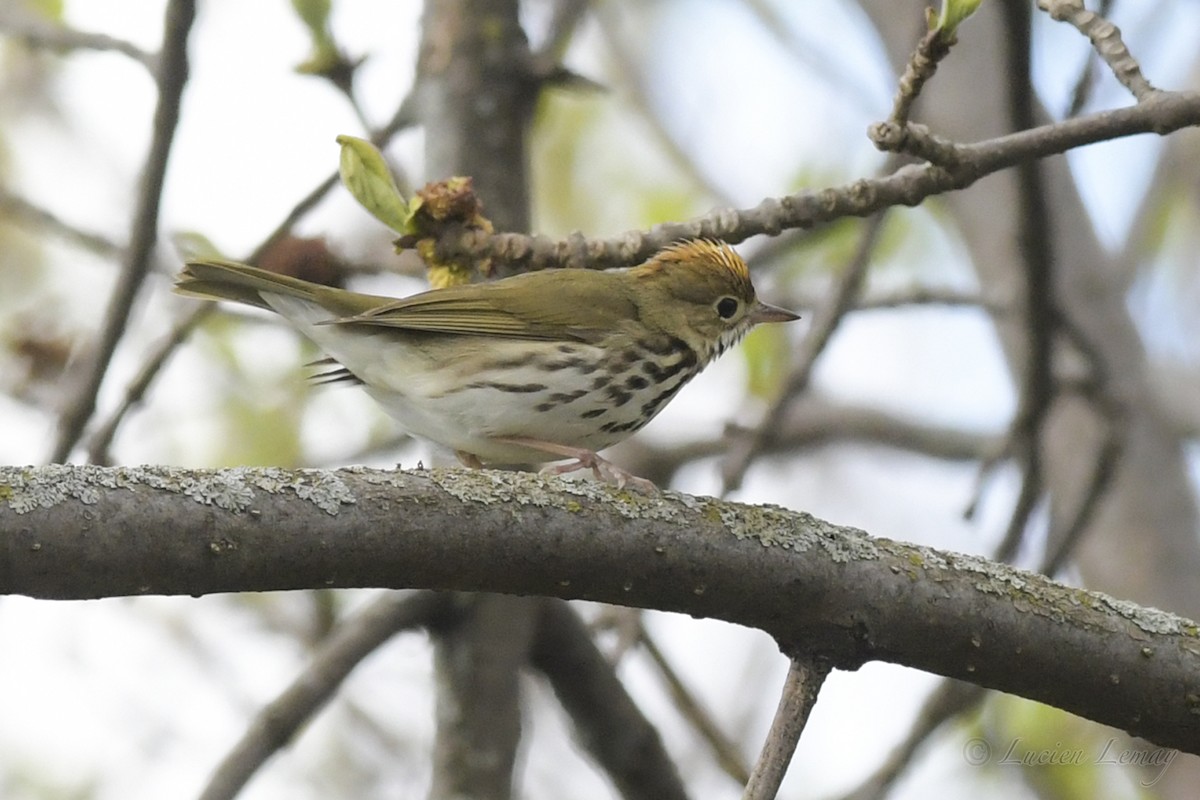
x: 602, y: 468
x: 468, y: 460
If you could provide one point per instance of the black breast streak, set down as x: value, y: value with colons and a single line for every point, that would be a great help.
x: 667, y: 363
x: 560, y: 398
x: 654, y: 404
x: 566, y: 397
x: 660, y: 374
x: 618, y: 396
x: 578, y: 363
x: 513, y: 388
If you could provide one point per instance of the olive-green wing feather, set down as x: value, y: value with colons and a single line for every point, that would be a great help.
x: 548, y: 305
x: 540, y: 305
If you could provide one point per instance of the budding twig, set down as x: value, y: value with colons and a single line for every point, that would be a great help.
x: 1107, y: 41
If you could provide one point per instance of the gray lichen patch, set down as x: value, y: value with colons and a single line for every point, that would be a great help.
x: 1150, y: 620
x: 770, y: 525
x: 546, y: 491
x: 774, y: 526
x: 1037, y: 594
x: 25, y: 489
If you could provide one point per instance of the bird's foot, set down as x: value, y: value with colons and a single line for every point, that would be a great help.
x: 468, y: 460
x: 604, y: 470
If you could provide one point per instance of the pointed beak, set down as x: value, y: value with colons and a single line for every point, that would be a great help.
x: 763, y: 312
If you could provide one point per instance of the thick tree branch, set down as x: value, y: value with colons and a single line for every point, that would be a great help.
x: 82, y: 532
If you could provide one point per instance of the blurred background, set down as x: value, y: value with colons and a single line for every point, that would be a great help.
x: 698, y: 104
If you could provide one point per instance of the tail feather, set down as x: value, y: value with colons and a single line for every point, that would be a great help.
x: 217, y: 279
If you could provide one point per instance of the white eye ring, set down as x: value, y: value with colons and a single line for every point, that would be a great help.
x: 727, y: 307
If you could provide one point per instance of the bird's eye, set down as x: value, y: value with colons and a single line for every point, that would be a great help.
x: 727, y: 307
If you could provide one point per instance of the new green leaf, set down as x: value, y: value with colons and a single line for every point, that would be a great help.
x: 365, y: 173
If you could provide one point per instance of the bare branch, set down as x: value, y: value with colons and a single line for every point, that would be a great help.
x: 172, y: 74
x: 949, y: 699
x: 1039, y: 309
x: 804, y: 680
x: 608, y: 723
x: 279, y: 721
x: 742, y: 452
x: 931, y: 49
x: 77, y: 532
x: 1162, y: 113
x: 101, y: 439
x: 23, y: 209
x: 1087, y: 75
x: 40, y: 32
x: 1106, y: 39
x: 728, y: 757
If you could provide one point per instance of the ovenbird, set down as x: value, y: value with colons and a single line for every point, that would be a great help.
x: 541, y: 366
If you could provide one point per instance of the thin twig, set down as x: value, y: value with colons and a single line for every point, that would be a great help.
x: 351, y: 642
x: 804, y: 679
x: 1106, y: 39
x: 565, y: 21
x: 19, y: 207
x: 743, y: 452
x: 626, y: 64
x: 814, y: 422
x: 948, y: 700
x: 1035, y: 241
x: 897, y: 134
x: 101, y: 439
x: 172, y: 75
x: 1161, y: 114
x: 922, y: 64
x: 729, y: 758
x: 1087, y: 76
x: 608, y: 724
x: 40, y: 32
